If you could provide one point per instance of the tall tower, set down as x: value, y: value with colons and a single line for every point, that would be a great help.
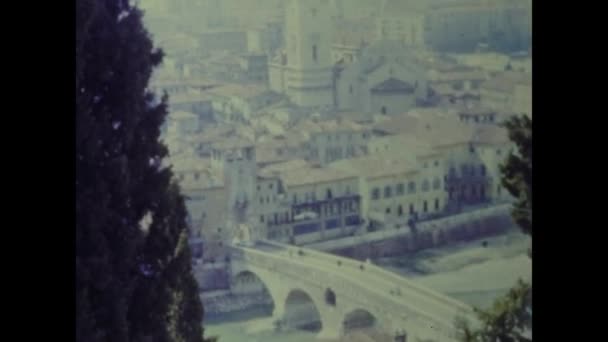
x: 240, y: 176
x: 309, y: 66
x: 338, y: 8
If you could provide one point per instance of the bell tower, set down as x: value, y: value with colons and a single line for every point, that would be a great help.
x: 309, y: 64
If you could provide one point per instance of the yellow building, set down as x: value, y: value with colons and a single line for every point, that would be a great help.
x: 313, y: 203
x: 395, y: 188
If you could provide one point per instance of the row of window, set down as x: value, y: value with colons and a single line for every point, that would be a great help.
x: 469, y: 170
x: 411, y: 189
x: 329, y: 210
x: 312, y: 196
x: 270, y: 186
x: 411, y: 210
x: 336, y: 137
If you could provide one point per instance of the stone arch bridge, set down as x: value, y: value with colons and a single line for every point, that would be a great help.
x: 337, y: 289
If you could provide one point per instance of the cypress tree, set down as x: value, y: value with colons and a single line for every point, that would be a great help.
x: 133, y: 273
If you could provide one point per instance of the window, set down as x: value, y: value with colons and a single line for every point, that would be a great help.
x: 258, y: 188
x: 262, y: 218
x: 400, y: 189
x: 436, y: 184
x: 197, y: 176
x: 463, y: 170
x: 400, y: 210
x: 425, y: 206
x: 388, y: 192
x: 261, y: 200
x: 295, y: 199
x: 498, y: 152
x: 482, y: 170
x: 471, y: 148
x: 329, y: 196
x: 437, y: 204
x: 452, y: 172
x: 425, y: 165
x: 425, y: 185
x: 375, y: 193
x: 436, y: 163
x: 314, y: 53
x: 411, y: 187
x: 383, y: 110
x: 388, y: 210
x: 270, y: 186
x: 350, y: 89
x: 411, y: 209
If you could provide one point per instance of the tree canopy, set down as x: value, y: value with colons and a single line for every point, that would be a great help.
x: 517, y: 170
x: 134, y: 279
x: 510, y: 318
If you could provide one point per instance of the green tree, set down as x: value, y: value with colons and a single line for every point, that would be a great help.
x: 517, y: 170
x: 510, y: 318
x: 133, y: 273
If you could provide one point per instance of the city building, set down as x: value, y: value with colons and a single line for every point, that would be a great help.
x: 193, y: 101
x: 312, y: 203
x: 238, y: 102
x: 459, y: 25
x: 394, y: 189
x: 228, y: 39
x: 500, y: 91
x: 382, y: 77
x: 328, y: 141
x: 304, y: 70
x: 254, y: 67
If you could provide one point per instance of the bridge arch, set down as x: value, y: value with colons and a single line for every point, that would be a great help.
x: 273, y: 291
x: 248, y: 283
x: 359, y: 319
x: 301, y: 312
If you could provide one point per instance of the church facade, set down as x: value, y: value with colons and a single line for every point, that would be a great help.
x: 383, y: 78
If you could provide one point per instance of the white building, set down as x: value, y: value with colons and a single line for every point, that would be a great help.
x: 328, y: 141
x: 383, y: 77
x: 304, y: 70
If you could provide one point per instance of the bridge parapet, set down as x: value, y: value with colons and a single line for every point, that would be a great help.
x: 339, y: 262
x: 418, y: 307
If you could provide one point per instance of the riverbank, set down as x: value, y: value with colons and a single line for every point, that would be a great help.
x: 474, y: 272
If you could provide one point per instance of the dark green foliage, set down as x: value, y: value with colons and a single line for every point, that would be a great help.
x: 509, y: 320
x: 517, y: 170
x: 131, y: 284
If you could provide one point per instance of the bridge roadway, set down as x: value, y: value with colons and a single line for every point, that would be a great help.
x: 425, y: 313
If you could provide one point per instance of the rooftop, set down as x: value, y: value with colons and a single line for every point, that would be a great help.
x: 314, y: 175
x: 377, y: 165
x: 189, y: 96
x: 338, y: 125
x: 468, y: 74
x: 279, y: 168
x: 507, y: 80
x: 245, y: 91
x: 181, y: 115
x: 228, y: 143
